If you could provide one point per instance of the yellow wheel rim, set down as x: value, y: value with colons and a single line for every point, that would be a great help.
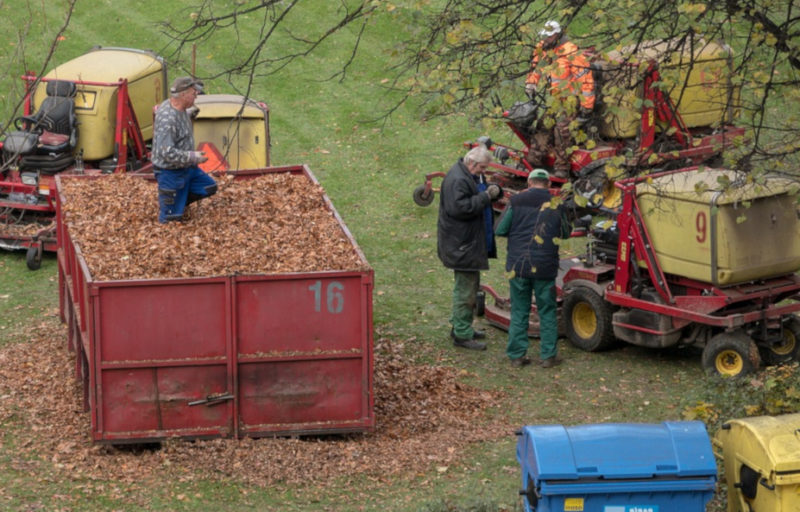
x: 729, y: 362
x: 584, y: 321
x: 787, y: 344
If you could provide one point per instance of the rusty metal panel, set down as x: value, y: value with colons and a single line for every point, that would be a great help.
x: 300, y: 394
x: 162, y: 348
x: 163, y: 320
x: 304, y: 355
x: 154, y: 402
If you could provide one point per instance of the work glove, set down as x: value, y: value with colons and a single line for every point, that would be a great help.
x: 584, y: 115
x: 198, y: 157
x: 494, y: 191
x: 530, y: 90
x: 501, y: 153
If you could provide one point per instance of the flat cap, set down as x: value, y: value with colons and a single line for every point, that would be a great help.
x: 182, y: 83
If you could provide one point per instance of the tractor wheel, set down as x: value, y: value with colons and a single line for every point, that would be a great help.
x: 480, y: 303
x: 33, y: 258
x: 423, y: 197
x: 789, y: 347
x: 587, y: 319
x: 731, y: 354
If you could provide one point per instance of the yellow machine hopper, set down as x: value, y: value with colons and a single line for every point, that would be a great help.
x: 99, y: 73
x: 237, y: 126
x: 697, y: 79
x: 704, y: 230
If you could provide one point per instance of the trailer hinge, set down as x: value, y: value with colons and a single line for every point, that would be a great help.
x: 213, y: 399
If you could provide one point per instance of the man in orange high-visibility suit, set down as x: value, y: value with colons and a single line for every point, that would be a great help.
x: 567, y: 73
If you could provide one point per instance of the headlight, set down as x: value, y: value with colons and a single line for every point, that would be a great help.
x: 30, y: 178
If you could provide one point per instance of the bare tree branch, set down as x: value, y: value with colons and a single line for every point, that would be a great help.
x: 471, y: 52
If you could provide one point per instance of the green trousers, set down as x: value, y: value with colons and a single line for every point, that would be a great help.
x: 522, y: 289
x: 465, y: 290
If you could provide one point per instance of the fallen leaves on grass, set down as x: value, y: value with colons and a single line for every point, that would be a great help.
x: 425, y: 418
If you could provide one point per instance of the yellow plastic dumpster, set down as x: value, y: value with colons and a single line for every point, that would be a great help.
x: 762, y: 463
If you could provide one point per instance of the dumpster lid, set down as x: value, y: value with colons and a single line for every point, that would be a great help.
x: 619, y: 451
x: 770, y: 442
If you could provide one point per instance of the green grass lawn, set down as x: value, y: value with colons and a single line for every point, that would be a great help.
x: 369, y: 171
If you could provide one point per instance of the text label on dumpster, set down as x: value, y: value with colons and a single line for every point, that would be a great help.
x: 334, y: 300
x: 573, y: 505
x: 630, y: 508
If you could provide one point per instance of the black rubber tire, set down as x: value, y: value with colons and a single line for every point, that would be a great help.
x: 788, y: 350
x: 480, y: 303
x: 421, y: 197
x: 731, y: 354
x: 33, y: 258
x: 587, y: 320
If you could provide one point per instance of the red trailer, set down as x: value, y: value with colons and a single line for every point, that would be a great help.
x: 256, y: 354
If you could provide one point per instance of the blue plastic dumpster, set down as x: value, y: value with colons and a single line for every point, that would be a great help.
x: 617, y: 467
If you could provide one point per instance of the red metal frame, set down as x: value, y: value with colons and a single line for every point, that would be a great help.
x: 127, y: 125
x: 658, y: 106
x: 701, y: 299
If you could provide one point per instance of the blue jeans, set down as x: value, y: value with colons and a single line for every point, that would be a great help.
x: 178, y: 187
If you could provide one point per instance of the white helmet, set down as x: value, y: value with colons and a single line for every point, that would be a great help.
x: 550, y: 28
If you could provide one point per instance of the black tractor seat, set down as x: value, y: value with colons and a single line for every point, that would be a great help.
x: 46, y: 139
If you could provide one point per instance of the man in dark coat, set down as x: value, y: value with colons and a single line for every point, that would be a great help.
x: 462, y: 239
x: 534, y: 223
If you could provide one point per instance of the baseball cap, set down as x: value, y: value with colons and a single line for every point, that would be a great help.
x: 182, y: 83
x: 550, y: 28
x: 539, y: 174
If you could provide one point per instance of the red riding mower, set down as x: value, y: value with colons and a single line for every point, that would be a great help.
x: 89, y: 115
x: 688, y: 262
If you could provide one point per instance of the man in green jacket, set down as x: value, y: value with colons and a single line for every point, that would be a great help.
x: 534, y: 223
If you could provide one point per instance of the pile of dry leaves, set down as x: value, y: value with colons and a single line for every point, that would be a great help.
x: 26, y: 227
x: 274, y: 223
x: 425, y: 418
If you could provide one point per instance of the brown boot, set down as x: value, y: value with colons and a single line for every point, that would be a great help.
x: 521, y: 361
x: 550, y: 362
